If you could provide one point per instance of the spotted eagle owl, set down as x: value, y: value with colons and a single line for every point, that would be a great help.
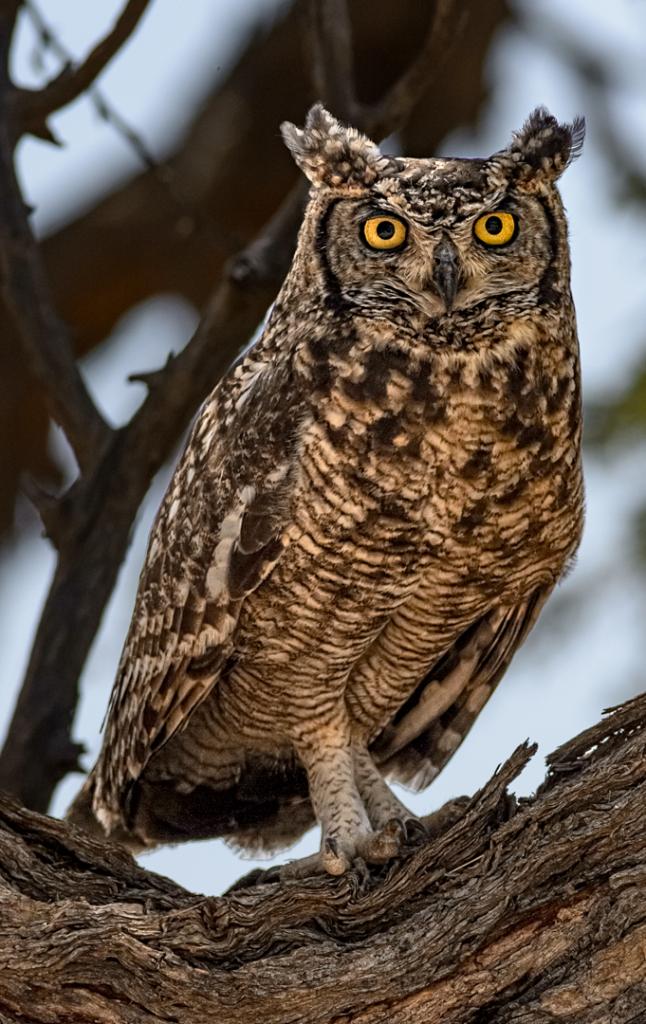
x: 370, y: 512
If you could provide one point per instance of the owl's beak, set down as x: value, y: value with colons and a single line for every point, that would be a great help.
x: 446, y: 271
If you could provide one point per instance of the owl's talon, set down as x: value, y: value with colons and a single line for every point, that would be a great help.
x: 334, y: 858
x: 395, y: 829
x: 415, y: 830
x: 362, y: 869
x: 380, y: 847
x: 330, y: 848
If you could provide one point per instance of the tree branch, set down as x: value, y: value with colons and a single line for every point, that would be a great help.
x: 329, y: 39
x: 43, y: 336
x: 330, y: 46
x: 34, y: 106
x: 522, y: 913
x: 398, y: 103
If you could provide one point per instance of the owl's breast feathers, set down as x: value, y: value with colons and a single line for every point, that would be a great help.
x: 474, y: 449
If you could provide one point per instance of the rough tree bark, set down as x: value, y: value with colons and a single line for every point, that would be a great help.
x: 530, y: 913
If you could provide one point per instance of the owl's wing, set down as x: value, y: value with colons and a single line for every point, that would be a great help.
x: 218, y: 534
x: 429, y: 728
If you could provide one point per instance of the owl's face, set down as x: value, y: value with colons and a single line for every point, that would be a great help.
x: 434, y: 237
x: 437, y: 239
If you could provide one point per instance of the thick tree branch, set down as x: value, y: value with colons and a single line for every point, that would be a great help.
x: 32, y: 107
x: 516, y: 914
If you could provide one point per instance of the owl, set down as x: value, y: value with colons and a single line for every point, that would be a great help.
x: 371, y: 510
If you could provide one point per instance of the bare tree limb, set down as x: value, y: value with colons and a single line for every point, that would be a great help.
x: 98, y: 513
x: 517, y: 913
x: 34, y: 106
x: 330, y: 46
x: 44, y: 338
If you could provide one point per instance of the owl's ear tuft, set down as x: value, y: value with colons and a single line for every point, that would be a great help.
x: 544, y: 147
x: 332, y: 155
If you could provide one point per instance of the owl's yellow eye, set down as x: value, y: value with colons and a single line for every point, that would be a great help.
x: 496, y: 228
x: 384, y: 232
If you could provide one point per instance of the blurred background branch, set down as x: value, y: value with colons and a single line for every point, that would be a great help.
x: 34, y: 106
x: 330, y: 45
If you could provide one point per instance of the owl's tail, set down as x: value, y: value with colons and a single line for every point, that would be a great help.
x: 81, y: 813
x: 267, y: 810
x: 80, y: 810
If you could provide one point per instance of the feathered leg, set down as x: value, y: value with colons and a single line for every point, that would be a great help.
x: 383, y: 807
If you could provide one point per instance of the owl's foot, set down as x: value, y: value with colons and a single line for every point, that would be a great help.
x: 360, y: 817
x: 340, y: 853
x: 369, y: 847
x: 335, y: 858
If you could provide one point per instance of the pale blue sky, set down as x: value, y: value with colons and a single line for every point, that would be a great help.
x: 568, y: 671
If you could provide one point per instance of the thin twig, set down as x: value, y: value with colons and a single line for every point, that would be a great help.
x: 164, y: 174
x: 34, y: 106
x: 105, y: 110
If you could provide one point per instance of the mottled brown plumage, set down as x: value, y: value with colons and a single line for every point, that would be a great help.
x: 370, y: 512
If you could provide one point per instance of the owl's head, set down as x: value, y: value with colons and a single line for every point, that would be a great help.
x: 435, y: 236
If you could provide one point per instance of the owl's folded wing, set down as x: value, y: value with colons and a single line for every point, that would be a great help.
x: 216, y: 538
x: 428, y: 729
